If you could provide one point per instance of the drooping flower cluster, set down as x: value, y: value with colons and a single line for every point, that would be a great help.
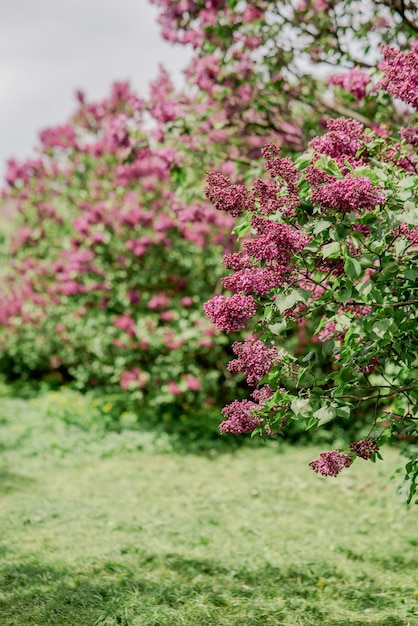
x: 230, y: 313
x: 345, y: 137
x: 401, y: 69
x: 240, y: 418
x: 234, y: 199
x: 331, y: 463
x: 410, y: 135
x: 348, y: 194
x: 364, y: 448
x: 354, y: 81
x: 254, y: 360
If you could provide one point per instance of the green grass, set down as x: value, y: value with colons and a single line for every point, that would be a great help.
x: 106, y: 529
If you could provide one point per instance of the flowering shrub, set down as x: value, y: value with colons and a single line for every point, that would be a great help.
x: 330, y: 247
x: 261, y: 63
x: 107, y: 269
x: 115, y: 249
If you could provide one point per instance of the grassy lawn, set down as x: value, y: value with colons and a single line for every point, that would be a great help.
x: 106, y: 529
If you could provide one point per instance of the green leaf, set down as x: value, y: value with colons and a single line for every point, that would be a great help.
x: 301, y: 407
x: 381, y: 327
x: 328, y: 347
x: 282, y: 302
x: 312, y: 421
x: 278, y: 327
x: 400, y: 246
x: 410, y: 215
x: 409, y: 182
x: 352, y: 268
x: 324, y: 414
x: 331, y: 250
x: 303, y: 161
x: 321, y: 225
x: 242, y: 229
x: 343, y: 411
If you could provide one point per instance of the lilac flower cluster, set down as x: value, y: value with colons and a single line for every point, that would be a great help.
x: 344, y: 139
x: 401, y: 69
x: 235, y: 199
x: 280, y: 194
x: 239, y: 417
x: 231, y: 313
x: 254, y: 359
x: 255, y: 280
x: 409, y: 233
x: 364, y: 448
x: 276, y: 242
x: 277, y: 166
x: 331, y: 463
x: 348, y: 194
x: 410, y: 135
x: 354, y: 81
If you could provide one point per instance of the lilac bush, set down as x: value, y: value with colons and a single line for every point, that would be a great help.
x: 330, y: 246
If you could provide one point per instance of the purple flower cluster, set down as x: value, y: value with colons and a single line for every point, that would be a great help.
x: 235, y: 199
x: 276, y: 242
x: 364, y: 448
x: 280, y: 194
x: 401, y: 69
x: 277, y: 166
x: 231, y: 313
x: 331, y: 463
x: 254, y: 360
x: 344, y: 139
x: 255, y: 280
x: 348, y: 194
x: 354, y: 81
x: 239, y: 417
x: 409, y: 233
x: 410, y: 135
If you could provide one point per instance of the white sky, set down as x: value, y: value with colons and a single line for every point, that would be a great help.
x: 49, y: 48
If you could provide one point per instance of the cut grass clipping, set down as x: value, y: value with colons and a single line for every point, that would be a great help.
x: 115, y: 529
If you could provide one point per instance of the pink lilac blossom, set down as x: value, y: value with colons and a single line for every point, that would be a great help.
x: 125, y: 323
x: 401, y: 69
x: 236, y: 261
x: 364, y: 448
x: 255, y: 280
x: 409, y: 233
x: 134, y: 378
x: 410, y: 135
x: 263, y: 394
x: 239, y: 418
x: 235, y: 199
x: 192, y: 383
x: 159, y: 301
x: 254, y: 360
x: 275, y: 196
x: 59, y: 137
x: 354, y: 81
x: 345, y: 138
x: 348, y: 194
x: 331, y: 463
x: 173, y: 388
x: 276, y: 242
x: 139, y: 246
x: 231, y: 313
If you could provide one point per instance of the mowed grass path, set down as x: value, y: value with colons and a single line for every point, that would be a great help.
x: 92, y: 534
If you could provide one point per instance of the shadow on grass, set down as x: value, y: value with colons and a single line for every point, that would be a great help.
x: 170, y: 590
x: 9, y: 481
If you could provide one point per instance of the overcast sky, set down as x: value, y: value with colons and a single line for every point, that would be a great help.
x: 49, y: 48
